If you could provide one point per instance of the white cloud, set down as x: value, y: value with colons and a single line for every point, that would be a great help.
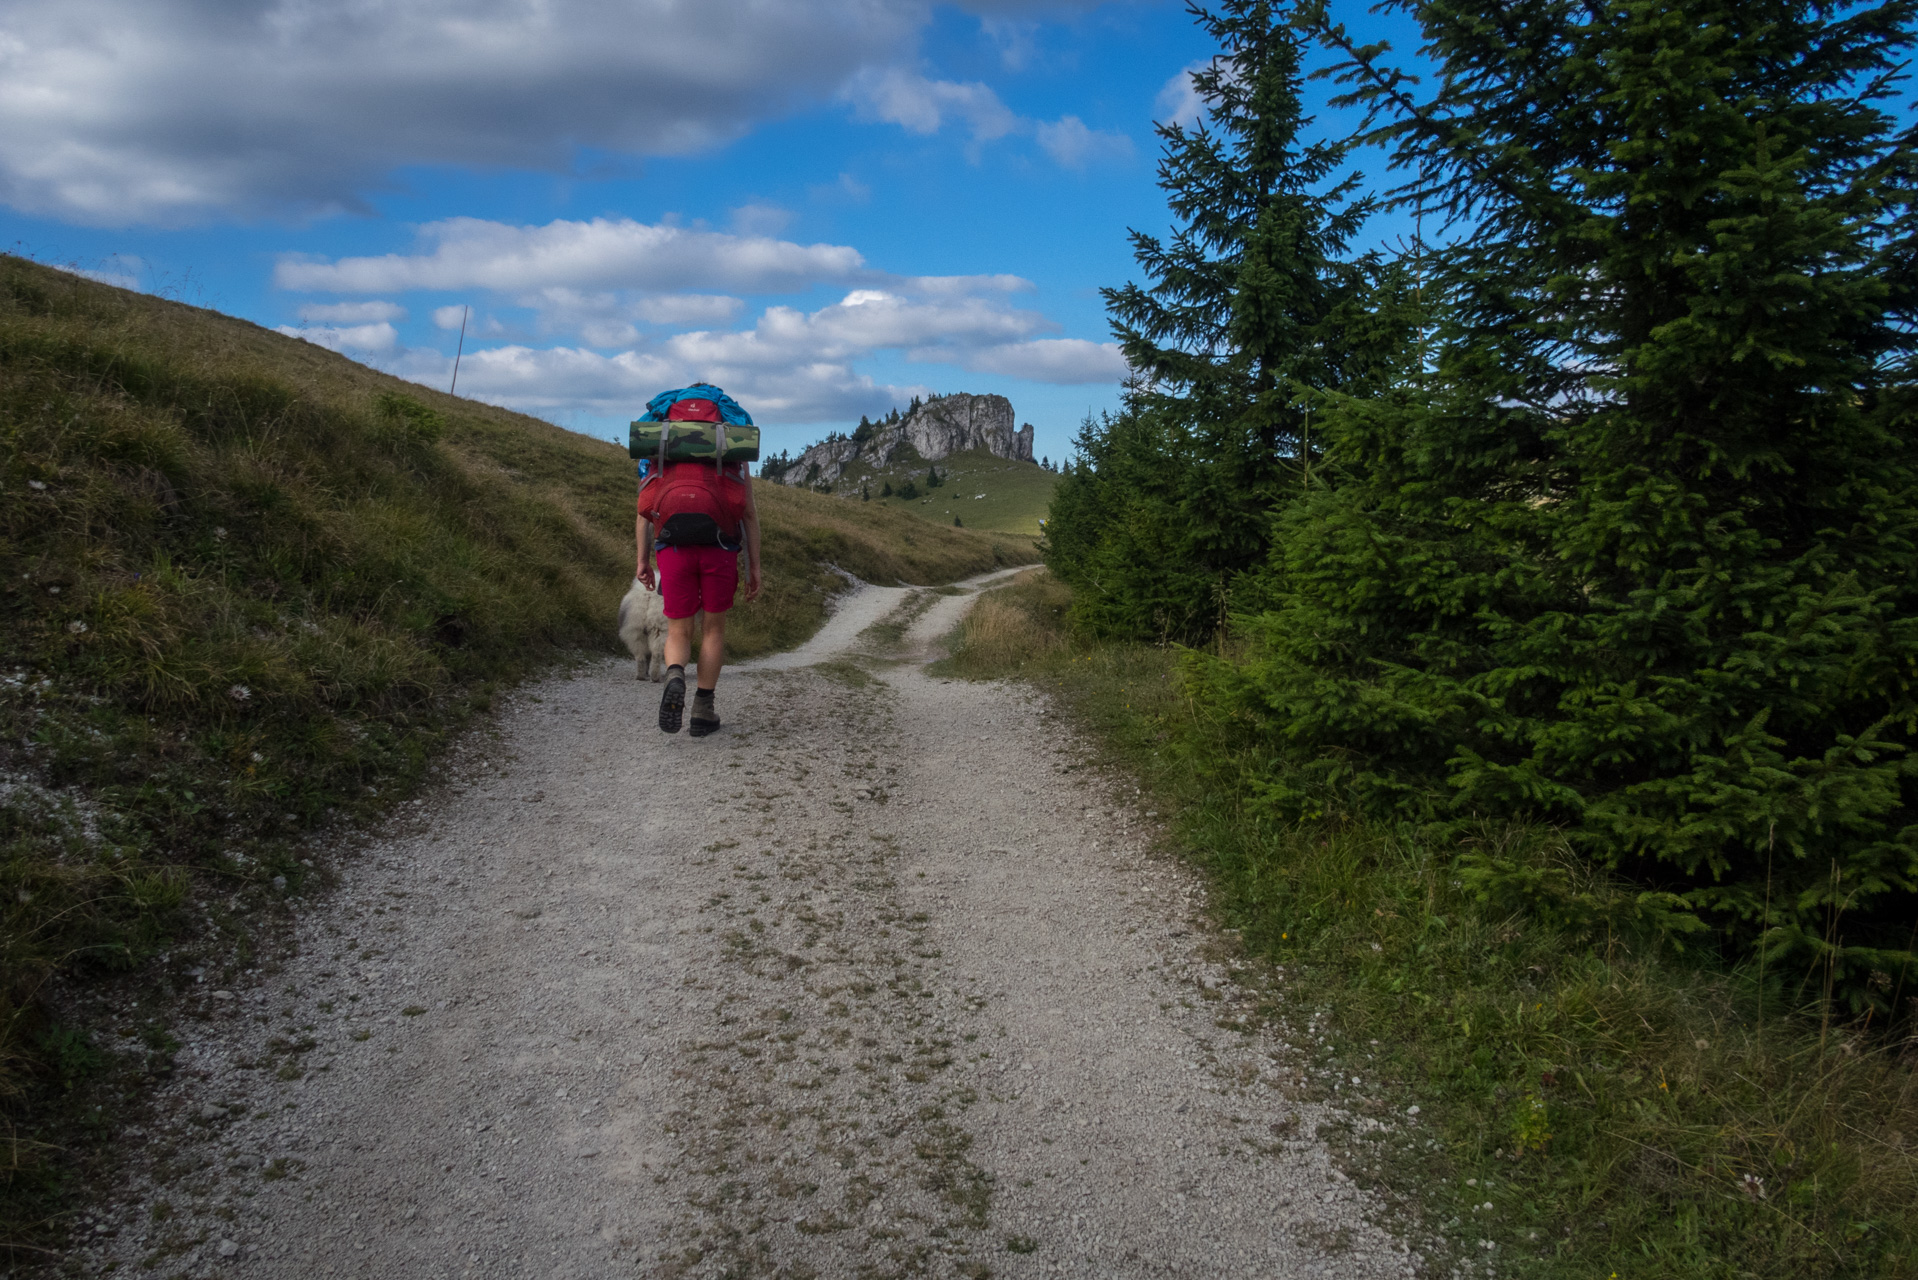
x: 603, y: 253
x: 943, y: 286
x: 452, y: 319
x: 604, y: 288
x: 919, y: 105
x: 789, y: 366
x: 608, y: 319
x: 865, y: 321
x: 179, y: 111
x: 368, y: 338
x: 923, y: 106
x: 117, y: 111
x: 688, y: 308
x: 574, y: 269
x: 1178, y: 102
x: 846, y: 188
x: 562, y: 376
x: 598, y: 319
x: 1074, y: 146
x: 1057, y: 360
x: 575, y: 379
x: 351, y: 312
x: 760, y: 219
x: 1017, y: 39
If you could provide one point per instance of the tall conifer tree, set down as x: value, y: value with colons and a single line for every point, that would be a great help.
x: 1253, y: 306
x: 1640, y: 555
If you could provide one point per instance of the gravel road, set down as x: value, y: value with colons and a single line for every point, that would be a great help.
x: 881, y: 980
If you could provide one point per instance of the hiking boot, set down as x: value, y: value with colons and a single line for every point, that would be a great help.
x: 705, y: 718
x: 672, y: 703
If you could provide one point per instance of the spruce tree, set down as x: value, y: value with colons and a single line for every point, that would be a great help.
x: 1253, y: 307
x: 1637, y: 557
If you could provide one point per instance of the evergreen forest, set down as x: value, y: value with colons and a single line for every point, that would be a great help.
x: 1576, y: 531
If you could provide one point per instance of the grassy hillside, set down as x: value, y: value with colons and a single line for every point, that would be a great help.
x: 247, y: 588
x: 985, y: 492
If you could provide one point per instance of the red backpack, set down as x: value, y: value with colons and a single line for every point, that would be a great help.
x: 693, y: 504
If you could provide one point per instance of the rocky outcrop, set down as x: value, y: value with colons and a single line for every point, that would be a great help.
x: 952, y: 424
x: 939, y: 428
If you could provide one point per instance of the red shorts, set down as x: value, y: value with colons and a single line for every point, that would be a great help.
x: 696, y: 578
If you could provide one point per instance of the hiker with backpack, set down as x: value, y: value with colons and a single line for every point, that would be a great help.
x: 696, y: 515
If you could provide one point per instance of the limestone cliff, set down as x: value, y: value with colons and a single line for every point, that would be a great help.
x: 937, y: 429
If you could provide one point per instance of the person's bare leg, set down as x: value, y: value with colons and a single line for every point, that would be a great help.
x: 679, y: 643
x: 712, y: 649
x: 712, y: 652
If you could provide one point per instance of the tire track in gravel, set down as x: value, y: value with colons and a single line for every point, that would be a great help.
x: 877, y: 982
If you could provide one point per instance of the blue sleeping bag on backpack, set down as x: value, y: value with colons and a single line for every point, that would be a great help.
x: 729, y: 409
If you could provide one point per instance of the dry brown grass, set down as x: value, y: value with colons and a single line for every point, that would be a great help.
x: 1019, y: 627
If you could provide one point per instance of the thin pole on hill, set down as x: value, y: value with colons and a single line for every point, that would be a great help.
x: 464, y: 311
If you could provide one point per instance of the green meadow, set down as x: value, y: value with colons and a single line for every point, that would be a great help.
x: 983, y: 492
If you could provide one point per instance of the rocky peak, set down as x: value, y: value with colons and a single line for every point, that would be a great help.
x: 939, y: 428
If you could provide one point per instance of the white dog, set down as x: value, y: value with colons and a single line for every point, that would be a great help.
x: 642, y: 625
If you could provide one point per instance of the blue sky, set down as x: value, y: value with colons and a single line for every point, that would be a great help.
x: 827, y: 206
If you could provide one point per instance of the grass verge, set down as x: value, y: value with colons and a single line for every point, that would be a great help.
x: 248, y: 589
x: 1591, y: 1101
x: 1017, y: 629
